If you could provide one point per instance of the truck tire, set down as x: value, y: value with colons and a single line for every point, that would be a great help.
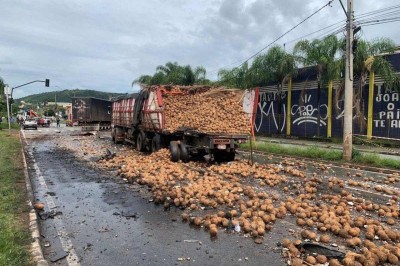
x: 113, y: 134
x: 175, y: 151
x: 224, y: 156
x: 140, y: 141
x: 184, y: 153
x: 155, y: 143
x: 230, y: 156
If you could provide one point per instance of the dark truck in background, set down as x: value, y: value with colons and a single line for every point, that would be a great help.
x: 91, y: 112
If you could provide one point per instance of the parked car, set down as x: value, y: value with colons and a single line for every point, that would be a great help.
x: 30, y: 123
x: 44, y: 122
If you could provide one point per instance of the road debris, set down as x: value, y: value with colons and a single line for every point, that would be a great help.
x: 335, y: 210
x: 51, y: 214
x: 39, y: 206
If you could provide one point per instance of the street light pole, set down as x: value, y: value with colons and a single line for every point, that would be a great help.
x: 7, y: 92
x: 348, y: 87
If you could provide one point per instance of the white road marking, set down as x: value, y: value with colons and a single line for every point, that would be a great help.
x: 72, y: 258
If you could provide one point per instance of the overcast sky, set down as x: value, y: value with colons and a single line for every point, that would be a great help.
x: 104, y: 45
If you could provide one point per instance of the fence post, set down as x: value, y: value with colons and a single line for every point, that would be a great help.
x: 329, y: 128
x: 370, y: 103
x: 289, y: 107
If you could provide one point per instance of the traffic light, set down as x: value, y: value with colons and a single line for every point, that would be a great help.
x: 47, y: 83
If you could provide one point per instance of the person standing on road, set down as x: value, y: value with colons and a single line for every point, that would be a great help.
x: 58, y: 121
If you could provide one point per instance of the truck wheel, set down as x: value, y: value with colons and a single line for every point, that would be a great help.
x: 113, y: 134
x: 140, y: 146
x: 184, y: 154
x: 224, y: 156
x: 230, y: 156
x: 175, y: 151
x: 155, y: 143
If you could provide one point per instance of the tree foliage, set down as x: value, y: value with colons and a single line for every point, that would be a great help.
x: 320, y: 53
x: 275, y: 67
x: 3, y: 107
x: 366, y: 59
x: 238, y: 77
x: 173, y: 73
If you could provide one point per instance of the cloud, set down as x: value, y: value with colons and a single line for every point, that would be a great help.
x: 104, y: 45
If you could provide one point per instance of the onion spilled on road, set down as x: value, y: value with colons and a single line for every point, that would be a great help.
x: 220, y: 197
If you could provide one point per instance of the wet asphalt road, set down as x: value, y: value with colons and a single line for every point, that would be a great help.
x: 90, y: 224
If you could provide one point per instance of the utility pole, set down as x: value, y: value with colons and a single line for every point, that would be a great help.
x: 348, y: 87
x: 7, y: 92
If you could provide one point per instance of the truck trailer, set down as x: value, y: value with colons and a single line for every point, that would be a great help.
x: 144, y: 120
x: 89, y: 111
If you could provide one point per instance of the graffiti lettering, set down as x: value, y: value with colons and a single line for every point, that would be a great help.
x: 271, y: 96
x: 391, y: 113
x: 387, y: 97
x: 379, y: 123
x: 306, y: 112
x: 267, y: 109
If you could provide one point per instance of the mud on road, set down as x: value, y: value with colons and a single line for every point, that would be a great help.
x: 97, y: 218
x: 103, y: 212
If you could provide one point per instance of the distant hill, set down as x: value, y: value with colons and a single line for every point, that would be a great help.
x: 66, y: 96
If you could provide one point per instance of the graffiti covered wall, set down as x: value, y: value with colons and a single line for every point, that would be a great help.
x: 272, y: 116
x: 386, y: 119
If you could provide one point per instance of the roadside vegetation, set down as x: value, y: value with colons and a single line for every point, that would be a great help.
x: 313, y: 152
x: 276, y: 66
x: 14, y: 231
x: 4, y: 126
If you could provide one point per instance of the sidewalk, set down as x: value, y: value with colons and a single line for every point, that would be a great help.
x: 387, y: 152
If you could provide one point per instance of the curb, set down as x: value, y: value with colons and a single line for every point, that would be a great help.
x: 275, y: 141
x: 344, y: 164
x: 35, y: 249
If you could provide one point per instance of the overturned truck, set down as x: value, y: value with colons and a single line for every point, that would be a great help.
x: 192, y: 121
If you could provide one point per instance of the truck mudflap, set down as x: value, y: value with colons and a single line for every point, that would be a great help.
x: 226, y: 143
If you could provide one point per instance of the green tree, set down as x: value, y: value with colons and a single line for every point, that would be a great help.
x: 173, y: 73
x: 237, y: 77
x: 322, y: 54
x: 3, y: 107
x: 274, y: 67
x: 368, y: 57
x: 49, y: 112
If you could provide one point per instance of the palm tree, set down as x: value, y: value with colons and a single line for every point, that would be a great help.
x: 323, y: 55
x: 237, y: 77
x: 276, y: 67
x: 173, y: 73
x: 366, y: 61
x: 200, y: 75
x: 144, y: 79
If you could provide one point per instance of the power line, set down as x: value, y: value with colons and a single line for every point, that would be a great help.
x: 363, y: 15
x: 309, y: 34
x: 280, y: 37
x: 378, y: 11
x: 378, y: 22
x: 386, y: 15
x: 362, y: 19
x: 284, y: 34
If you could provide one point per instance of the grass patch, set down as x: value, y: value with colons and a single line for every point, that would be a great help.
x: 14, y: 232
x: 4, y: 125
x: 315, y: 152
x: 308, y: 152
x: 376, y: 160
